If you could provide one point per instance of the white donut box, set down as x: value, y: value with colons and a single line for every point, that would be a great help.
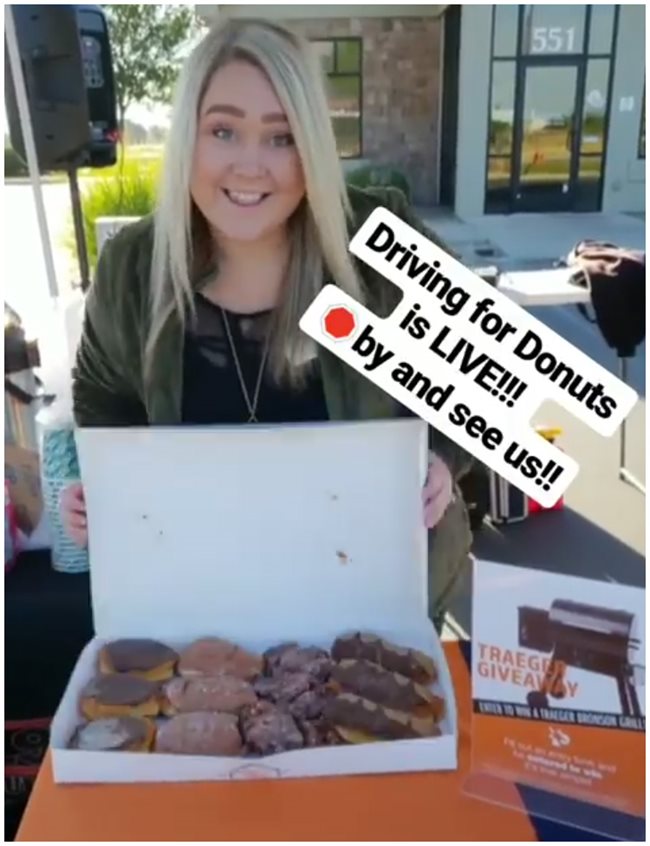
x: 260, y: 535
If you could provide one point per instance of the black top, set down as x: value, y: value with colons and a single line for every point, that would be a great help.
x: 212, y: 391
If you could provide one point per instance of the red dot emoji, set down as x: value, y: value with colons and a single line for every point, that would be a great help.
x: 339, y: 322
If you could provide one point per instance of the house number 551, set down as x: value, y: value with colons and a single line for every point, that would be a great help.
x: 552, y: 39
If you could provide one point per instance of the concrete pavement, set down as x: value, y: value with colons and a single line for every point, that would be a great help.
x: 25, y: 279
x: 527, y: 241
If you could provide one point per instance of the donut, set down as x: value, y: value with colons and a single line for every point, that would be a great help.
x: 142, y: 657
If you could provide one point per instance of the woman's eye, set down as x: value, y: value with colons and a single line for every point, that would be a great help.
x: 222, y: 132
x: 283, y: 140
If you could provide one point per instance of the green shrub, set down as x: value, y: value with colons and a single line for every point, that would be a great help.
x: 377, y: 175
x: 129, y: 192
x: 14, y: 165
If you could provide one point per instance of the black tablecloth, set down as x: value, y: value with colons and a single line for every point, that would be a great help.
x: 48, y: 621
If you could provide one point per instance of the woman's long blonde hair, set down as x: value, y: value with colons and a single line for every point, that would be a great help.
x: 318, y: 229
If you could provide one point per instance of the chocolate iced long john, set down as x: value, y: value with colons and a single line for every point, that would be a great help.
x: 386, y: 687
x: 363, y: 646
x: 370, y: 721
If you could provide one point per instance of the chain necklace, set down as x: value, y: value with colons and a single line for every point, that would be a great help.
x: 252, y: 406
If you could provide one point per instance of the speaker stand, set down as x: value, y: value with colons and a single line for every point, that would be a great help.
x: 80, y: 234
x: 623, y: 472
x: 27, y: 130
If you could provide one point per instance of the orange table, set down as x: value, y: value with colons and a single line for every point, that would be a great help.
x: 365, y: 808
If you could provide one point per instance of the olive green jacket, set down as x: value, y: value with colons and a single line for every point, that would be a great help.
x: 110, y: 387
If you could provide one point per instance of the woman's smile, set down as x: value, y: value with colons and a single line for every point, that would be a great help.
x: 246, y: 198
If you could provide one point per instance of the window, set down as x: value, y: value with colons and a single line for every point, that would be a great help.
x: 502, y: 107
x: 595, y: 106
x: 602, y: 30
x: 529, y: 43
x: 506, y: 25
x: 592, y: 133
x: 553, y: 30
x: 341, y: 62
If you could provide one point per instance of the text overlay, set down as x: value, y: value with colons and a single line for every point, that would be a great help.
x: 465, y: 358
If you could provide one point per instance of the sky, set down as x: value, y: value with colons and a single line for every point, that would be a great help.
x: 148, y: 117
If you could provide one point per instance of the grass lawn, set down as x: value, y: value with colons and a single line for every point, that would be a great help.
x: 137, y: 155
x: 146, y: 155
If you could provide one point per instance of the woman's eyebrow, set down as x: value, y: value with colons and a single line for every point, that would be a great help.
x: 275, y: 117
x: 224, y: 109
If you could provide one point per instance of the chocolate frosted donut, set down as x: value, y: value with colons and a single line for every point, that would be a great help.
x: 139, y: 656
x: 121, y: 689
x: 114, y: 734
x: 120, y: 695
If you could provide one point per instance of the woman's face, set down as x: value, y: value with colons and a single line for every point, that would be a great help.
x: 247, y: 178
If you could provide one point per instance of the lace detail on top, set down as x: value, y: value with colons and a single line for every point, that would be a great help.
x: 211, y: 390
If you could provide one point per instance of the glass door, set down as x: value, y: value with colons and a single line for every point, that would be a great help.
x: 546, y: 143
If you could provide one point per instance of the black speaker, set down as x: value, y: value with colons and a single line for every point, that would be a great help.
x: 66, y: 61
x: 100, y: 85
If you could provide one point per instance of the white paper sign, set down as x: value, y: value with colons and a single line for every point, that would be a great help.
x: 466, y: 359
x: 593, y: 631
x: 558, y: 684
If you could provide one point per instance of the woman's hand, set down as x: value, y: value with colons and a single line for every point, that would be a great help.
x: 437, y: 492
x: 73, y: 514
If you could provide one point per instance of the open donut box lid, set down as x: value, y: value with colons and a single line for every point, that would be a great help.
x: 259, y: 535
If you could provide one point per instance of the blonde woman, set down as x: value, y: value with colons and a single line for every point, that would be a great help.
x: 193, y: 314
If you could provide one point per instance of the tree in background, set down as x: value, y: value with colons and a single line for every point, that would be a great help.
x: 148, y: 43
x: 134, y: 133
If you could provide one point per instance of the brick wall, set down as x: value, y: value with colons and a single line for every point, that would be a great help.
x: 402, y: 66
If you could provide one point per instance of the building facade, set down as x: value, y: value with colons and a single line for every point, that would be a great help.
x: 549, y: 114
x: 486, y: 109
